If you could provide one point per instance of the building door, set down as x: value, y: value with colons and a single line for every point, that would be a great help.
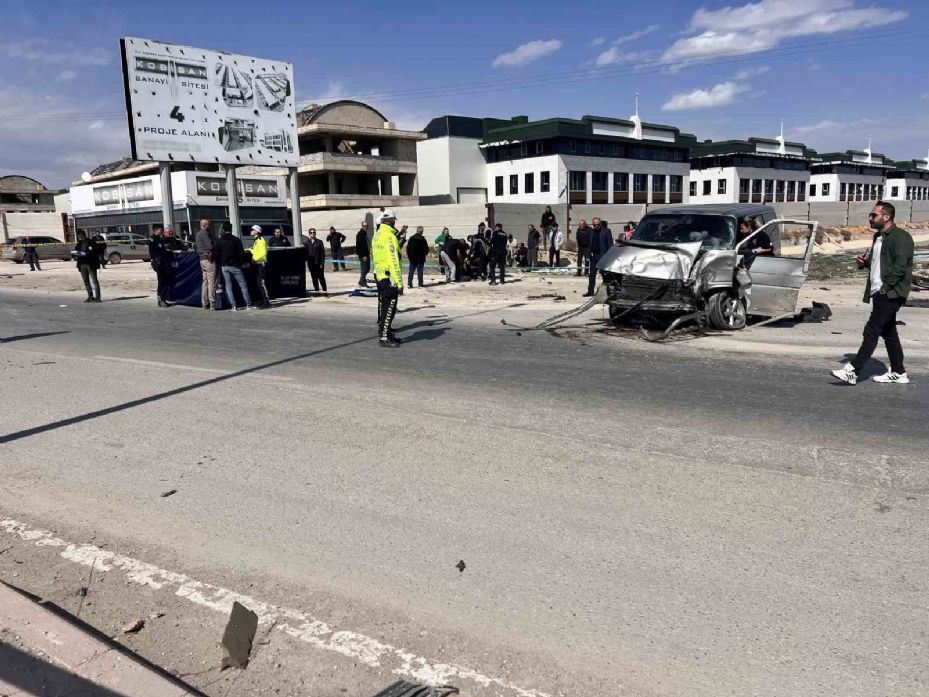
x: 471, y: 195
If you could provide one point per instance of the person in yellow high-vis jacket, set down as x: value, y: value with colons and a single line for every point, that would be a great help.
x: 385, y: 255
x: 260, y: 258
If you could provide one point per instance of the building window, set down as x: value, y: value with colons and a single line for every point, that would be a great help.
x: 586, y: 147
x: 768, y: 190
x: 573, y: 145
x: 791, y: 191
x: 498, y: 186
x: 825, y: 190
x: 620, y: 181
x: 544, y: 183
x: 756, y: 191
x: 745, y: 186
x: 599, y: 181
x: 779, y: 188
x: 693, y: 188
x: 539, y: 147
x: 523, y: 149
x: 640, y: 182
x: 707, y: 187
x: 616, y: 148
x: 578, y: 181
x: 894, y: 191
x: 658, y: 183
x: 801, y: 191
x: 677, y: 184
x: 842, y: 192
x: 514, y: 184
x: 721, y: 186
x: 603, y: 148
x: 529, y: 186
x: 812, y: 190
x: 880, y: 191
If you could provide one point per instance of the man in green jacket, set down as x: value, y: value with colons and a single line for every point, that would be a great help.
x: 890, y: 261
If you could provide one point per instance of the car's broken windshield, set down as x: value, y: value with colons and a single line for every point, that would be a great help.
x: 712, y: 231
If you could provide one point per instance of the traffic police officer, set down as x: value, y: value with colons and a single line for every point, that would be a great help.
x: 385, y: 253
x: 260, y: 259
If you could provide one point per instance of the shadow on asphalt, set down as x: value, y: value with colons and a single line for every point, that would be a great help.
x: 26, y: 337
x: 423, y: 335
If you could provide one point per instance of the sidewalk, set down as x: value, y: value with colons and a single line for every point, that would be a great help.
x: 44, y: 653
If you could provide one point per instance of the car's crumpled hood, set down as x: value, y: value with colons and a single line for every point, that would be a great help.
x: 670, y: 263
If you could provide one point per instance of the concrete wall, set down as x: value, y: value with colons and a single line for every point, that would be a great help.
x: 445, y: 165
x: 15, y: 224
x: 461, y: 219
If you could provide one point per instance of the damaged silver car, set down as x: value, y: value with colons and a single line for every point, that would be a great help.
x: 686, y: 264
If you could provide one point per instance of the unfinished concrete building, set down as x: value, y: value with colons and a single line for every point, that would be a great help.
x: 21, y: 194
x: 351, y: 156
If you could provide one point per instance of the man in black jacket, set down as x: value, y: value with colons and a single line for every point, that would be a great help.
x: 316, y: 260
x: 498, y: 240
x: 278, y: 240
x: 417, y: 249
x: 601, y: 239
x: 230, y: 255
x: 533, y: 239
x: 87, y: 252
x: 890, y: 261
x: 547, y: 222
x: 583, y: 247
x: 363, y: 250
x: 335, y: 240
x: 161, y: 249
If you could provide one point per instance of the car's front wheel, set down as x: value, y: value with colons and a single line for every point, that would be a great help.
x: 726, y: 312
x: 114, y: 258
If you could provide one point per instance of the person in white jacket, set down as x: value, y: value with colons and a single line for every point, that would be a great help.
x: 555, y: 243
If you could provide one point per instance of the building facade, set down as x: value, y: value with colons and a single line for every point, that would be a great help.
x: 853, y: 175
x: 757, y: 170
x: 589, y: 160
x: 908, y: 181
x: 21, y: 194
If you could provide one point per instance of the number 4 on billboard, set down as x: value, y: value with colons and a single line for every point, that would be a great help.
x: 176, y: 114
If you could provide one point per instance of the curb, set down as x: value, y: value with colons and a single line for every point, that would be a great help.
x: 72, y: 656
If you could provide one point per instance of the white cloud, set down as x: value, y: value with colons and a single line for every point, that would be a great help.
x: 762, y: 25
x: 527, y: 53
x: 53, y: 139
x: 599, y: 41
x: 748, y: 73
x: 828, y: 125
x: 719, y: 95
x: 334, y: 92
x: 48, y: 52
x: 924, y: 96
x: 635, y: 35
x: 67, y: 75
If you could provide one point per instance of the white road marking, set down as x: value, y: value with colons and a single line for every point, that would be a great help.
x: 292, y: 622
x: 159, y: 364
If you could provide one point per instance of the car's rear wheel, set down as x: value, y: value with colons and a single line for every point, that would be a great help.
x: 114, y: 258
x: 726, y: 312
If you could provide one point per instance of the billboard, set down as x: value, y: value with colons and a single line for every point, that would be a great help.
x: 192, y: 105
x: 188, y: 188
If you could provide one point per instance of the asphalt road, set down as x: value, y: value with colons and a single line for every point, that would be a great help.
x: 634, y: 519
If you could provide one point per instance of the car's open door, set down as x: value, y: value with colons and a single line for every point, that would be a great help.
x: 776, y: 280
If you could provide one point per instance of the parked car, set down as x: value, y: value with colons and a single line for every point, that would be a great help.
x: 47, y: 247
x: 685, y: 264
x: 125, y: 245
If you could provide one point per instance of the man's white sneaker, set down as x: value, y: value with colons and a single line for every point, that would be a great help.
x: 890, y: 376
x: 847, y: 374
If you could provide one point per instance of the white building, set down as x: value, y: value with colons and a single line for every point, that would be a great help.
x: 450, y: 166
x: 853, y: 175
x: 908, y: 181
x: 591, y: 160
x: 757, y: 170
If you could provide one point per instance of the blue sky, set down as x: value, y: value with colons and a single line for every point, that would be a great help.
x: 718, y: 69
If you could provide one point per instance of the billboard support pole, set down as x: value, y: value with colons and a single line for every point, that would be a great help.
x: 295, y: 208
x: 232, y: 193
x: 167, y: 195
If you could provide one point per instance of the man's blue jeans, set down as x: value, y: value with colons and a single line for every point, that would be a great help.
x: 230, y: 272
x: 419, y: 273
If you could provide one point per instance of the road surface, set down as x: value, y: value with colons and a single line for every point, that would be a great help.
x: 634, y: 519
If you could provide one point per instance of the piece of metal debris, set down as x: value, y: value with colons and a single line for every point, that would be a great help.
x: 238, y: 637
x: 134, y: 626
x: 402, y: 688
x: 82, y: 591
x: 461, y: 566
x: 169, y: 492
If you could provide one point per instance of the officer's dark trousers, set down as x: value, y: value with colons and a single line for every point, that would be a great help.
x: 263, y: 286
x: 91, y: 284
x: 387, y: 296
x: 165, y: 273
x: 497, y: 260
